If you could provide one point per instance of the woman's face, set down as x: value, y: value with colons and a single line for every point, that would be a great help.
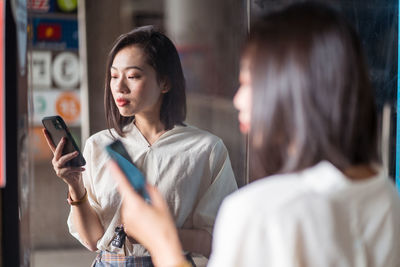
x: 242, y: 99
x: 134, y: 84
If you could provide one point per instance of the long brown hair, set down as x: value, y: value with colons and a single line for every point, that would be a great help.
x: 312, y: 98
x: 162, y: 55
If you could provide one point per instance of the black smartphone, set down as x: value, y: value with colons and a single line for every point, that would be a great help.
x: 117, y: 152
x: 57, y: 129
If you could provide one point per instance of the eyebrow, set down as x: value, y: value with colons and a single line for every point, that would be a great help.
x: 129, y: 67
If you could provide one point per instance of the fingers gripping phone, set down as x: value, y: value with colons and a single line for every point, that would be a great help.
x: 117, y: 152
x: 57, y: 129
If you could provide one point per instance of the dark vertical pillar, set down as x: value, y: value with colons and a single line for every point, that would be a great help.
x: 9, y: 195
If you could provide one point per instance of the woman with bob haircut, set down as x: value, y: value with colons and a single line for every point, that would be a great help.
x: 307, y: 103
x: 145, y: 108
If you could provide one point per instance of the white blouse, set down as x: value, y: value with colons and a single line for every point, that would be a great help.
x: 189, y: 166
x: 316, y: 217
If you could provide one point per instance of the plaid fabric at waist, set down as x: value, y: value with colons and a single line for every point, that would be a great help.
x: 107, y: 259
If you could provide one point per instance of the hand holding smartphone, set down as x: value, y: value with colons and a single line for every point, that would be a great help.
x: 57, y: 129
x: 118, y: 153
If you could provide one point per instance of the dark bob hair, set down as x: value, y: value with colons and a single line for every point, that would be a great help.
x: 162, y: 55
x: 312, y: 99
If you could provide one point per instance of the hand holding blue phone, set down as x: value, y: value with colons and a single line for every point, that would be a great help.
x: 118, y: 153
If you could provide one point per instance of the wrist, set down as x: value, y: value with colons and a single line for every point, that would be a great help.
x: 76, y: 192
x: 171, y: 261
x: 169, y: 255
x: 77, y: 202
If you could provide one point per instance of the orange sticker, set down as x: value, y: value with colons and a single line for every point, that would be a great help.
x: 68, y: 106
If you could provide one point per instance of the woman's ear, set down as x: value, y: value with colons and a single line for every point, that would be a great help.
x: 165, y: 85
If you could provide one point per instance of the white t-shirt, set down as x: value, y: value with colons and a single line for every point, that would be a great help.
x: 316, y: 217
x: 189, y: 166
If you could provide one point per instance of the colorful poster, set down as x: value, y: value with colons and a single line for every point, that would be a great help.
x: 65, y: 103
x: 53, y: 6
x: 55, y: 34
x: 55, y: 70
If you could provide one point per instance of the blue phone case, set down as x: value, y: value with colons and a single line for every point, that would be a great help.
x: 118, y: 153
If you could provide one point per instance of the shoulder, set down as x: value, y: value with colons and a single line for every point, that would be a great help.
x: 384, y: 190
x: 195, y: 138
x: 258, y: 213
x: 195, y: 132
x: 283, y: 198
x: 100, y: 139
x: 199, y: 135
x: 267, y: 194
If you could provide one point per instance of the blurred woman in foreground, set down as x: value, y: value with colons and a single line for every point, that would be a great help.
x: 306, y: 101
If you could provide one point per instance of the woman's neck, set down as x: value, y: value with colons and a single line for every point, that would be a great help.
x: 359, y: 172
x: 150, y: 127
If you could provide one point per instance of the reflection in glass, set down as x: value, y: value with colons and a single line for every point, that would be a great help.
x: 208, y: 35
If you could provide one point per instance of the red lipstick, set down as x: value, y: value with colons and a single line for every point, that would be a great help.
x: 122, y: 102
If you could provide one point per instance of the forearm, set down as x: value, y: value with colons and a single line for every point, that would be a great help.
x: 85, y: 220
x: 167, y: 253
x: 196, y: 240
